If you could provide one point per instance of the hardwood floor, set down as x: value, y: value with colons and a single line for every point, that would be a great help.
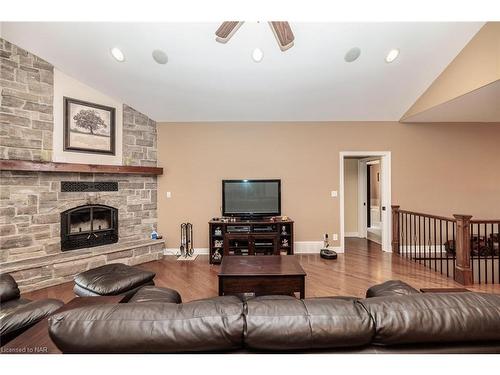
x: 361, y: 266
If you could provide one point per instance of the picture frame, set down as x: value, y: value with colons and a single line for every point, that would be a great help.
x: 89, y: 127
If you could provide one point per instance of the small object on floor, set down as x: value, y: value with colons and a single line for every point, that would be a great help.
x: 328, y: 254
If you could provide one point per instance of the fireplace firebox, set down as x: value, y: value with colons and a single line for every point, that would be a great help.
x: 88, y: 226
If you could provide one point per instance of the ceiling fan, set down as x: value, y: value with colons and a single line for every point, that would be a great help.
x: 281, y: 29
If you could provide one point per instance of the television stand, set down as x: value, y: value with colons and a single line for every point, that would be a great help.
x: 250, y: 237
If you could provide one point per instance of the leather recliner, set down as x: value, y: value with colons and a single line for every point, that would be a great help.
x: 397, y: 318
x: 18, y: 314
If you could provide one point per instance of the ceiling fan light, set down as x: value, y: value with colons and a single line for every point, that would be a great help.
x: 117, y: 54
x: 392, y: 55
x: 257, y: 55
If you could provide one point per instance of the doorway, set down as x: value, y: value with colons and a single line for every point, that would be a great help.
x: 372, y: 201
x: 365, y: 193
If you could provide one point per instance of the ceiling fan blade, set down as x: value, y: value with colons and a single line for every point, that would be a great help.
x: 226, y: 30
x: 283, y: 33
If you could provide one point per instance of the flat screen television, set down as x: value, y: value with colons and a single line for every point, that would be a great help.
x: 251, y: 198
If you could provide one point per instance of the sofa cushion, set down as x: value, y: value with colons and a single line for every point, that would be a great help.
x: 112, y: 279
x: 391, y: 288
x: 8, y: 288
x: 208, y: 325
x: 293, y: 324
x: 155, y: 294
x: 20, y: 316
x: 435, y: 317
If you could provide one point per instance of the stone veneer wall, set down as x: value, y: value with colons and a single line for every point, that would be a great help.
x: 139, y: 138
x: 26, y: 113
x: 31, y: 202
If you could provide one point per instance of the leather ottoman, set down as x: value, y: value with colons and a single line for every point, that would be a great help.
x: 112, y: 279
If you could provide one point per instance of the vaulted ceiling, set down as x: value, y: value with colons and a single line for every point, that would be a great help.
x: 208, y: 81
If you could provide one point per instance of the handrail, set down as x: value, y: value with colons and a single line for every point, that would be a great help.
x: 427, y: 215
x: 422, y: 237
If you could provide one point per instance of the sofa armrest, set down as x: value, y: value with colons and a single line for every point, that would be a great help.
x: 8, y: 288
x: 25, y: 316
x: 391, y: 288
x: 152, y: 293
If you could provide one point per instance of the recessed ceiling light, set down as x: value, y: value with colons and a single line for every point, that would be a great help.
x: 392, y: 55
x: 117, y: 54
x: 257, y: 55
x: 352, y: 54
x: 159, y: 56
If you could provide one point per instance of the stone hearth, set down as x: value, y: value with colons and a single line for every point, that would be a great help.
x: 44, y: 271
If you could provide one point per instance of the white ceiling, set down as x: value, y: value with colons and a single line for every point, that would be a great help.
x: 208, y: 81
x: 480, y: 105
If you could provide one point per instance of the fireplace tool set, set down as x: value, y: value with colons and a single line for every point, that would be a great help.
x: 186, y: 247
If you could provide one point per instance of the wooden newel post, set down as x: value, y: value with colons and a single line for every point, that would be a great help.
x: 395, y: 229
x: 463, y: 270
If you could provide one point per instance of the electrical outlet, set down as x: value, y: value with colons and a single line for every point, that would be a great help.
x: 333, y: 193
x: 169, y: 194
x: 335, y: 237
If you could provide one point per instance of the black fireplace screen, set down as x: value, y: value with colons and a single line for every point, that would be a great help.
x: 88, y: 226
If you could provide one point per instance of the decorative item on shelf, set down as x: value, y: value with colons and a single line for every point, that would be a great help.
x: 154, y: 235
x: 216, y: 257
x: 283, y: 252
x: 283, y: 230
x: 284, y: 242
x: 218, y: 231
x: 218, y: 243
x: 284, y: 218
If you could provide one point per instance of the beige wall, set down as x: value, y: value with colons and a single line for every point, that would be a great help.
x: 351, y: 195
x: 436, y: 168
x: 477, y: 65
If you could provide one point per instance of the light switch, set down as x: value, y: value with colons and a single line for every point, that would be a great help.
x: 333, y: 193
x: 169, y: 194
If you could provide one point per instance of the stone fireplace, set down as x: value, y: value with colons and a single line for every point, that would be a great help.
x: 103, y: 213
x: 88, y: 226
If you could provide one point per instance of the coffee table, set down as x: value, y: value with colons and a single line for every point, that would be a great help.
x: 262, y: 275
x: 36, y: 340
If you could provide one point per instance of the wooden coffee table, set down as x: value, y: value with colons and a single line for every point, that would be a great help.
x: 36, y: 340
x: 262, y: 275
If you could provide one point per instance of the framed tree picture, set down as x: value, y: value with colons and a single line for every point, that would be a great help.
x: 88, y: 127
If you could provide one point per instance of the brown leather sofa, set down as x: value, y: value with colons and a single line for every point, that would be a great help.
x: 18, y: 314
x: 394, y: 319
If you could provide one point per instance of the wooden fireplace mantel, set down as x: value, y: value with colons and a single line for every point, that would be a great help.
x: 40, y: 166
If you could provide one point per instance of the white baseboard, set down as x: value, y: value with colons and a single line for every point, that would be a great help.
x: 311, y: 247
x: 300, y: 247
x: 352, y: 234
x: 175, y: 251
